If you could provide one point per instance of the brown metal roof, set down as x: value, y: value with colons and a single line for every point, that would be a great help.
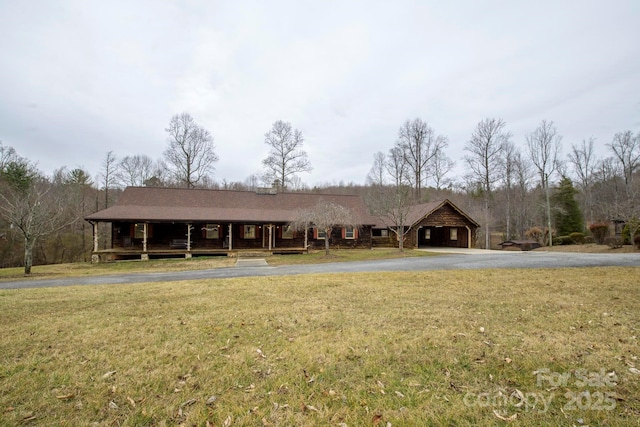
x: 199, y: 205
x: 417, y: 212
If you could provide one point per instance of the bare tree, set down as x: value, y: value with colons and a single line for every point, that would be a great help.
x: 483, y: 161
x: 325, y: 216
x: 286, y: 157
x: 441, y: 166
x: 27, y: 203
x: 582, y: 159
x: 397, y: 168
x: 390, y: 194
x: 377, y: 173
x: 607, y: 189
x: 7, y: 155
x: 296, y: 184
x: 420, y: 144
x: 159, y: 175
x: 135, y: 170
x: 190, y: 153
x: 509, y: 152
x: 544, y: 148
x: 107, y: 175
x: 523, y: 176
x: 626, y: 149
x: 79, y: 183
x: 251, y: 182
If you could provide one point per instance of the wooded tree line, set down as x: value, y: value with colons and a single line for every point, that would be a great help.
x: 509, y: 187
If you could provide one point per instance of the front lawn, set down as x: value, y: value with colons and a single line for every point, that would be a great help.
x: 538, y: 347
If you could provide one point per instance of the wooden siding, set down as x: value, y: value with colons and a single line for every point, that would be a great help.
x: 445, y: 216
x: 161, y: 236
x: 440, y: 222
x: 362, y: 240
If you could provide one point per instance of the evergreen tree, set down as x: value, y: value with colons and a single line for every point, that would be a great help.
x: 567, y: 214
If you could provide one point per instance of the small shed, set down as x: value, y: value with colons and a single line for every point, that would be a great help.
x: 519, y: 245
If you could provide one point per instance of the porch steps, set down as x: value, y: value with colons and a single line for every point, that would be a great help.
x: 253, y: 254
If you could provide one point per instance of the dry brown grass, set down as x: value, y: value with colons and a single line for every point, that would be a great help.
x: 81, y: 269
x: 415, y: 348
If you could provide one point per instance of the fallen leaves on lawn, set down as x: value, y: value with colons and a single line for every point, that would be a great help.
x: 508, y: 419
x: 108, y: 374
x: 66, y: 396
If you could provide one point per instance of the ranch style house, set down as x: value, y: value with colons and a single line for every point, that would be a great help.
x: 159, y: 222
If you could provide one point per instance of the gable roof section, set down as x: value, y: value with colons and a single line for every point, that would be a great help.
x: 200, y: 205
x: 418, y: 212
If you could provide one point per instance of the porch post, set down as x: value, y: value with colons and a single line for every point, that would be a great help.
x: 270, y: 234
x: 468, y: 236
x: 188, y: 237
x: 144, y: 237
x: 95, y: 236
x: 95, y: 258
x: 230, y: 236
x: 306, y: 238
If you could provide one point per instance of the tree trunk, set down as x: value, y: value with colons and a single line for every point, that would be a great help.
x: 549, y: 214
x: 327, y: 236
x: 400, y: 236
x: 487, y: 237
x: 28, y: 255
x: 508, y: 213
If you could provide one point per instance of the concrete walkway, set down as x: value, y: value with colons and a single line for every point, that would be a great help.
x: 251, y: 262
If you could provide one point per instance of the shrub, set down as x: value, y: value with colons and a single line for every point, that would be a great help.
x: 631, y: 227
x: 599, y: 230
x: 535, y: 233
x: 589, y: 239
x: 539, y: 234
x: 563, y: 240
x: 578, y: 238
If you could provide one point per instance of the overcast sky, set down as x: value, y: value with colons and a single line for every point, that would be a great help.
x: 80, y: 78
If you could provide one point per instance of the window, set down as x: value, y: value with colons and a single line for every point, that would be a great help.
x: 212, y: 231
x: 349, y: 233
x: 249, y: 231
x: 453, y: 234
x: 321, y: 234
x: 287, y: 232
x: 427, y: 233
x: 138, y: 231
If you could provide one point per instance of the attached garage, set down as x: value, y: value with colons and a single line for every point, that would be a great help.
x: 443, y: 236
x: 435, y: 224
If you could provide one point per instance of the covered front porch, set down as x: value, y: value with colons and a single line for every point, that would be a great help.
x: 147, y: 240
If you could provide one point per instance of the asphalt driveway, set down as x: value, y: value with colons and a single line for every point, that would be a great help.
x: 454, y: 260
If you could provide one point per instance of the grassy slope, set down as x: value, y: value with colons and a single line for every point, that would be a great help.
x: 415, y: 348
